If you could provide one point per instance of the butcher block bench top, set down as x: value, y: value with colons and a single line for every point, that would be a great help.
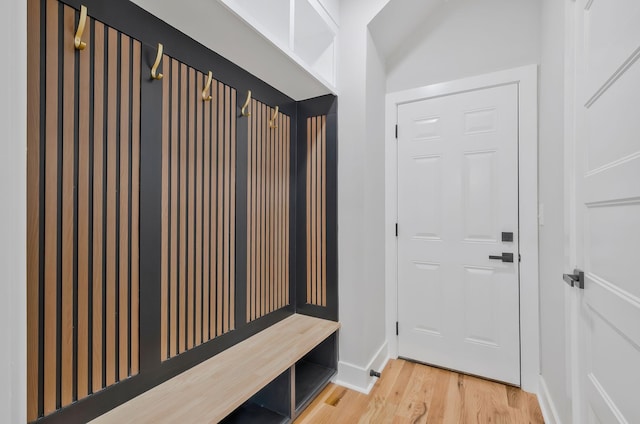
x: 214, y: 388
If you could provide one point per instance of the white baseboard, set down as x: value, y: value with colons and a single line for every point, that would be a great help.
x: 548, y: 408
x: 357, y: 378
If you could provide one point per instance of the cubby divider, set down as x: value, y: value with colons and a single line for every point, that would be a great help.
x: 282, y: 400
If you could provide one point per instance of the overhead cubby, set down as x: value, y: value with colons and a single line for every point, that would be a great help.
x: 314, y: 39
x: 271, y: 18
x: 302, y: 29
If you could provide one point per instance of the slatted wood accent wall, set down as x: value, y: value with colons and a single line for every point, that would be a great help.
x: 316, y: 219
x: 267, y: 212
x: 83, y: 194
x: 198, y: 209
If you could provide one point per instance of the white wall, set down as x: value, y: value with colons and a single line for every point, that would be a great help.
x: 333, y: 9
x: 464, y: 38
x: 13, y: 27
x: 553, y: 337
x: 360, y: 195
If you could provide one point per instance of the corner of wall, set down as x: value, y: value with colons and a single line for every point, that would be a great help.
x: 13, y: 177
x: 548, y: 408
x: 357, y: 378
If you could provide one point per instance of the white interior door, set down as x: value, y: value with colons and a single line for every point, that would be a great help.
x: 607, y: 232
x: 457, y: 194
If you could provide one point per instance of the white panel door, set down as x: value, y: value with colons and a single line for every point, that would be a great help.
x: 457, y: 194
x: 607, y: 140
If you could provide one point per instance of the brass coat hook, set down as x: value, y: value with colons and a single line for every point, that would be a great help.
x: 246, y: 105
x: 272, y: 121
x: 154, y: 69
x: 205, y: 93
x: 78, y: 43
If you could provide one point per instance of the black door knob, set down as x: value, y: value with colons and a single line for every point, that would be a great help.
x: 505, y: 257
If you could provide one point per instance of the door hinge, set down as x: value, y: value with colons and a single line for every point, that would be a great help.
x: 396, y: 229
x: 397, y: 329
x: 396, y: 131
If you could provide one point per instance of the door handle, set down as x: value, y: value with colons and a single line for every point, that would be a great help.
x: 505, y: 257
x: 574, y: 280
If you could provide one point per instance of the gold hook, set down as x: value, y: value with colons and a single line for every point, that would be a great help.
x: 272, y: 122
x: 154, y: 69
x: 246, y: 104
x: 205, y: 93
x: 79, y: 44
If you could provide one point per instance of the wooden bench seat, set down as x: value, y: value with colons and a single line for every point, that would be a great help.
x: 213, y: 389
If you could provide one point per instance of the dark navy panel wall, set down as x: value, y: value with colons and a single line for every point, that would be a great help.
x: 131, y: 279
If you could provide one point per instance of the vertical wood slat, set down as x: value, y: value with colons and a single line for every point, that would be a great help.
x: 220, y: 230
x: 190, y: 208
x: 123, y: 280
x: 112, y: 110
x: 213, y: 220
x: 68, y: 213
x: 263, y: 189
x: 135, y: 211
x: 269, y: 213
x: 275, y: 178
x: 206, y: 181
x: 33, y: 208
x: 227, y: 181
x: 173, y: 291
x: 98, y: 216
x: 323, y: 167
x: 232, y: 213
x: 249, y: 220
x: 50, y: 211
x: 308, y: 191
x: 254, y: 189
x: 164, y: 264
x: 183, y: 202
x: 198, y: 211
x: 316, y: 211
x: 280, y: 212
x: 288, y: 217
x: 83, y: 219
x: 258, y: 249
x: 206, y: 142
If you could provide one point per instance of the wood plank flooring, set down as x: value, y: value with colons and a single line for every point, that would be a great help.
x: 415, y: 393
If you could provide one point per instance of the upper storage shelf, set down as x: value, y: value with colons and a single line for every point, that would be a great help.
x: 302, y: 29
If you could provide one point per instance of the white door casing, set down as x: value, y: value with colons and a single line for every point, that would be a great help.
x: 457, y: 193
x: 526, y: 80
x: 605, y: 236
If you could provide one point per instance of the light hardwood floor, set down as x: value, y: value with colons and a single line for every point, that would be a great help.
x: 415, y: 393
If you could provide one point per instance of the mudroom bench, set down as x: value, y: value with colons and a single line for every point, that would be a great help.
x: 268, y: 378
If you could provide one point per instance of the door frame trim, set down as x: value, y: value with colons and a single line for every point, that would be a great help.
x: 526, y: 78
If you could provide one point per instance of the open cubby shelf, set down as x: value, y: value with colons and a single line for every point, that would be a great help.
x: 252, y: 413
x: 310, y: 380
x: 282, y: 400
